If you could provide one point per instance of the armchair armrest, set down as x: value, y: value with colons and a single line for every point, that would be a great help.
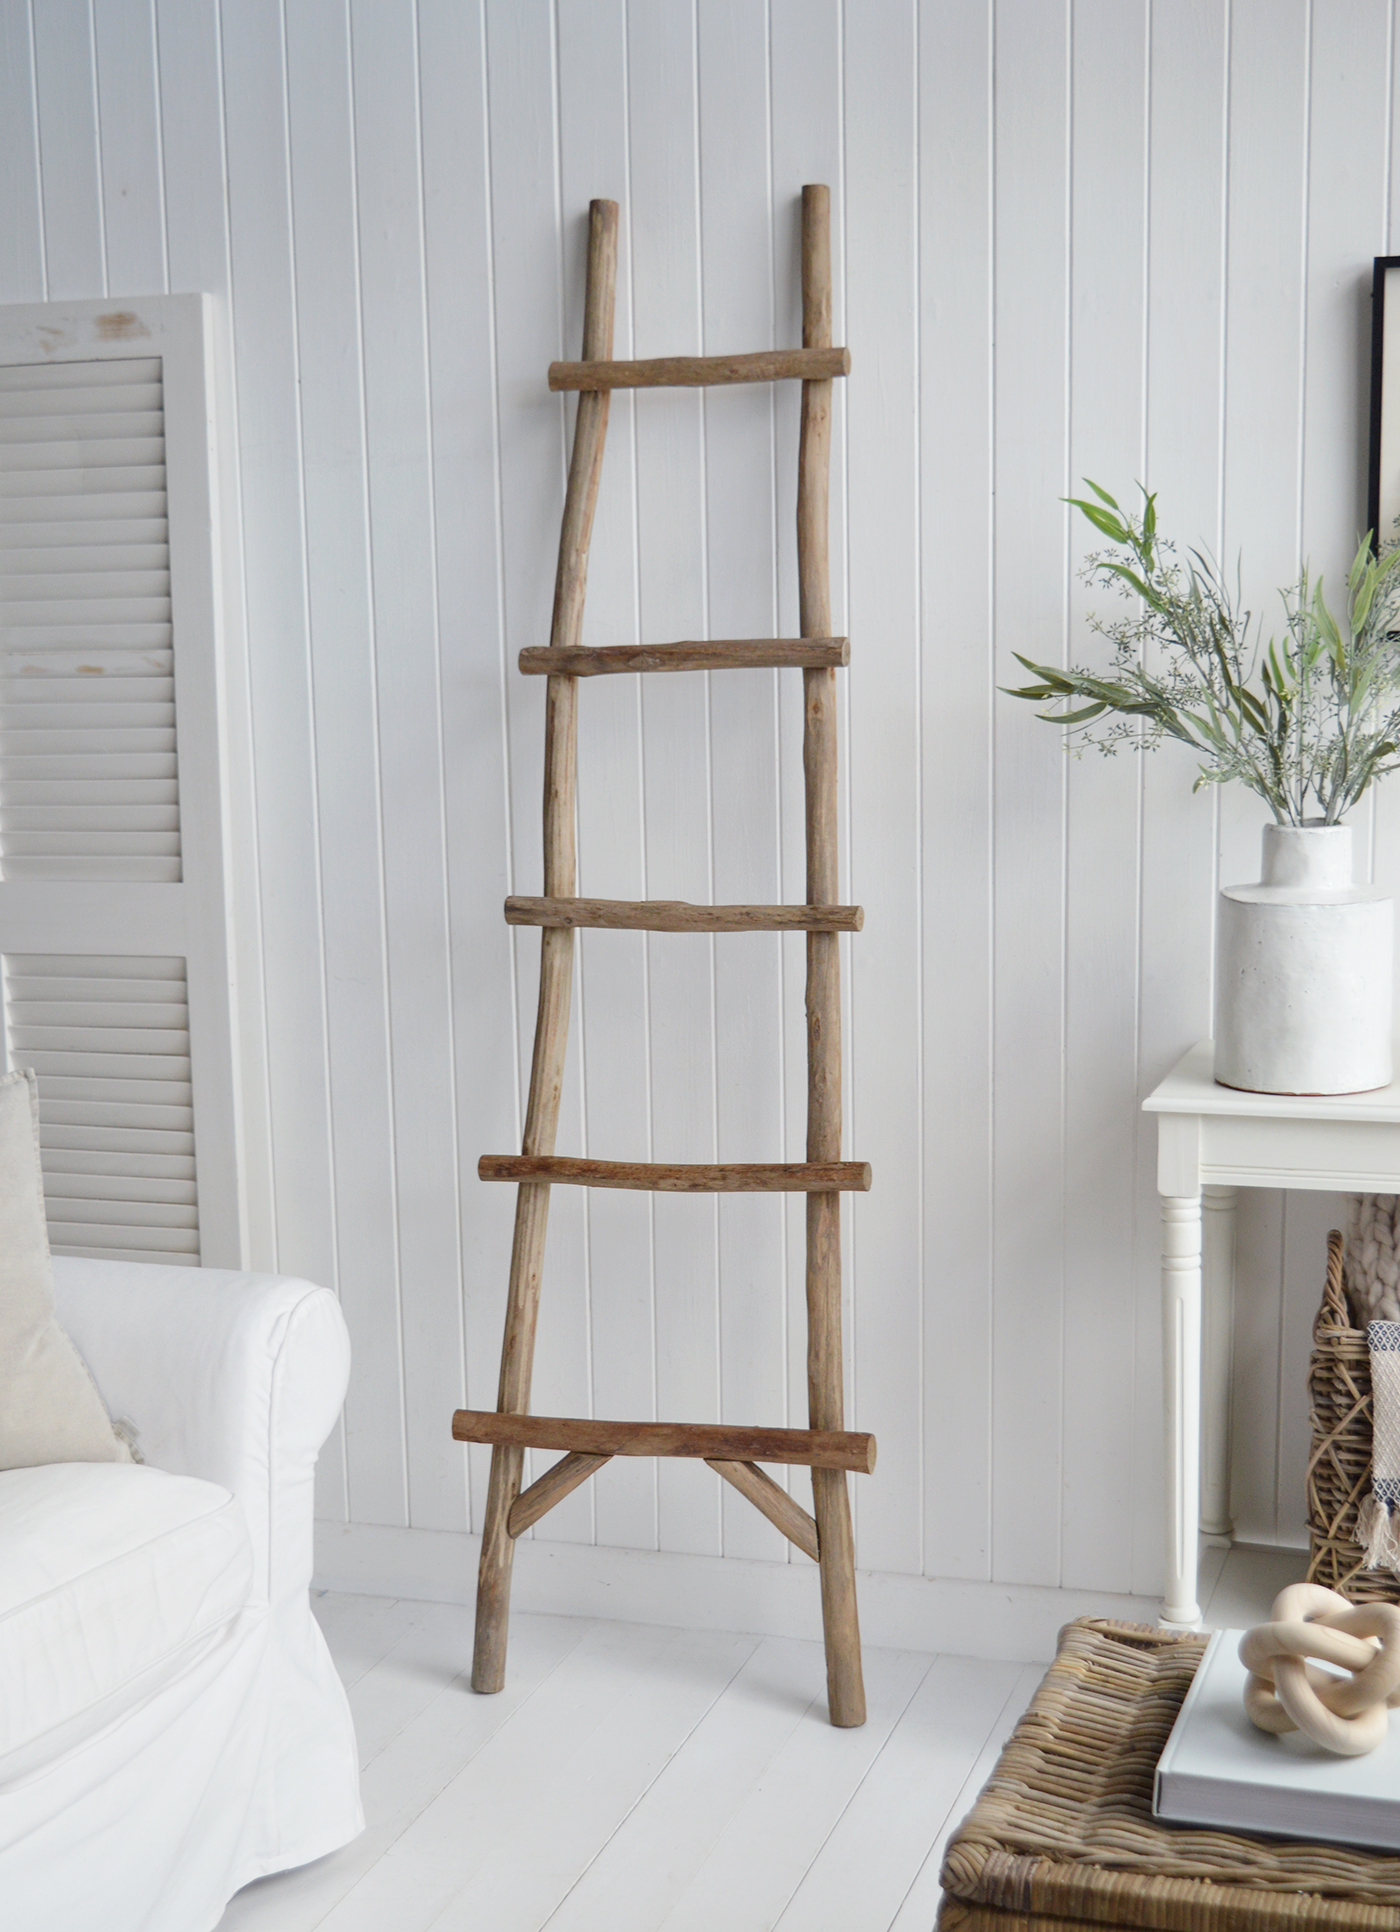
x: 234, y: 1377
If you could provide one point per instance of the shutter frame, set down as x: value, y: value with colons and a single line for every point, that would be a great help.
x: 160, y: 918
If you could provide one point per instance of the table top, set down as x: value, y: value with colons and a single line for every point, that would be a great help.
x: 1191, y: 1088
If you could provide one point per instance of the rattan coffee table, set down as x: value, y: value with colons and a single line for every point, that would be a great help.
x: 1063, y: 1835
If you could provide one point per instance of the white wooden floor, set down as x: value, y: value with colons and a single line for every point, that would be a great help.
x: 637, y: 1779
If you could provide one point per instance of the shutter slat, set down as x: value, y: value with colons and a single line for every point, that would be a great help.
x: 44, y: 639
x: 32, y: 428
x: 81, y: 741
x: 19, y: 819
x: 21, y: 377
x: 113, y: 710
x: 83, y: 399
x: 147, y: 478
x: 92, y: 453
x: 78, y: 1037
x: 98, y: 533
x: 112, y: 1068
x: 90, y: 1160
x: 129, y: 869
x: 21, y: 511
x: 91, y: 791
x: 97, y: 690
x: 132, y: 1103
x: 34, y: 557
x: 85, y: 766
x: 61, y: 1184
x: 137, y: 1142
x: 85, y: 579
x: 112, y: 1233
x: 28, y: 991
x: 120, y: 1254
x: 76, y: 609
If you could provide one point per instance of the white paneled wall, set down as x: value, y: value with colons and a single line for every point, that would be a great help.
x: 1122, y: 238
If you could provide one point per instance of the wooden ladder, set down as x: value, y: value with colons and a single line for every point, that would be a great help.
x: 827, y: 1448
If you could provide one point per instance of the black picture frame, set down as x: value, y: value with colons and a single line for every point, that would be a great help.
x: 1383, y: 469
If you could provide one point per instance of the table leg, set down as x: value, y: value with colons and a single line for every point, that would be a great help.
x: 1181, y: 1371
x: 1217, y: 1356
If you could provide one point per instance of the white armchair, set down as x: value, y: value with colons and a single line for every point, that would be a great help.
x: 171, y: 1724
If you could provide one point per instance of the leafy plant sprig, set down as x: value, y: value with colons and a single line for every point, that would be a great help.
x: 1308, y: 722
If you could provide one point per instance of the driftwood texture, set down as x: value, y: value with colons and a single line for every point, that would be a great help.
x: 659, y: 1177
x: 716, y: 654
x: 702, y: 372
x: 826, y: 1447
x: 814, y: 1448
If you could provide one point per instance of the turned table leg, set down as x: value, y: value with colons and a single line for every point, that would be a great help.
x: 1217, y: 1356
x: 1181, y: 1389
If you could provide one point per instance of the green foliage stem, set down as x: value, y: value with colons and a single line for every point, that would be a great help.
x: 1308, y: 721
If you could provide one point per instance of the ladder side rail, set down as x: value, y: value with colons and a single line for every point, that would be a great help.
x: 556, y: 955
x: 825, y: 1371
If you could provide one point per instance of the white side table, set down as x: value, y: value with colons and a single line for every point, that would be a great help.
x: 1212, y: 1140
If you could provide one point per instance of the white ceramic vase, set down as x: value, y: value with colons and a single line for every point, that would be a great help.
x: 1303, y: 995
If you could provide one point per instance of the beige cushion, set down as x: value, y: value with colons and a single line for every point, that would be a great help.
x: 50, y: 1410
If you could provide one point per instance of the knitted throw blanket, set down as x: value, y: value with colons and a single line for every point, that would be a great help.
x: 1373, y: 1287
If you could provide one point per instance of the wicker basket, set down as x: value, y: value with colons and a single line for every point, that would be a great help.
x: 1063, y: 1834
x: 1339, y: 1468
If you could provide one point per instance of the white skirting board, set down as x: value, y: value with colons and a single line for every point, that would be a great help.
x: 1000, y: 1620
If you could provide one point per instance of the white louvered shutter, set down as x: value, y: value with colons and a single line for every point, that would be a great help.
x: 114, y: 941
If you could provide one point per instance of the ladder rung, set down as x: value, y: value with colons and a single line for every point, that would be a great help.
x: 700, y: 372
x: 689, y: 1177
x: 713, y: 654
x: 674, y: 915
x: 812, y: 1448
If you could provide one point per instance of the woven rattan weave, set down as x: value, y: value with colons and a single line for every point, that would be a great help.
x: 1063, y: 1834
x: 1339, y: 1468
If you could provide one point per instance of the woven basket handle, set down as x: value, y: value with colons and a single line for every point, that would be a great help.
x: 1335, y: 1311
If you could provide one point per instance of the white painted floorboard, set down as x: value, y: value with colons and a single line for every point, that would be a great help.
x: 637, y: 1779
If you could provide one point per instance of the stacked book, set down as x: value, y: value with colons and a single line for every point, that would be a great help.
x: 1218, y: 1770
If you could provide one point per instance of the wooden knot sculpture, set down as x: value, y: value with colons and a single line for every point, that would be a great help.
x: 1286, y: 1692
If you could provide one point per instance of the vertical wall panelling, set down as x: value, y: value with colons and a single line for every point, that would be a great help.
x: 530, y: 318
x: 1187, y: 63
x: 612, y: 991
x: 21, y: 214
x: 264, y: 344
x: 133, y: 210
x: 1267, y: 239
x: 663, y: 215
x: 883, y: 1117
x: 461, y: 351
x: 738, y: 213
x: 342, y: 643
x: 955, y: 374
x: 1072, y: 236
x: 1108, y: 136
x: 389, y: 195
x: 68, y: 149
x: 1030, y: 218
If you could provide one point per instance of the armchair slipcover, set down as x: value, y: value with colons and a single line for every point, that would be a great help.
x: 191, y: 1731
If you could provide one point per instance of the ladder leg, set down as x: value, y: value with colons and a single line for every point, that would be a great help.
x: 556, y: 957
x: 825, y: 1397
